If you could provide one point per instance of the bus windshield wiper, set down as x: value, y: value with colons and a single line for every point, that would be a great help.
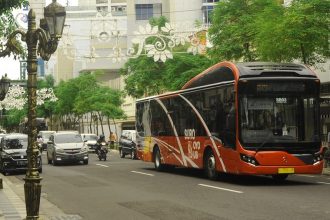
x: 267, y: 139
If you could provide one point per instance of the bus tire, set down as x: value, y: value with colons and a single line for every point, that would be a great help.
x: 157, y: 160
x: 210, y: 165
x: 280, y: 177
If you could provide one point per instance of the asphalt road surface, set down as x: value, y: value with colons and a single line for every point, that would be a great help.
x: 131, y: 189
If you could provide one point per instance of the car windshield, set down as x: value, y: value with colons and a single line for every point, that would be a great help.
x: 68, y: 138
x: 46, y: 135
x: 278, y: 119
x: 16, y: 143
x: 90, y: 137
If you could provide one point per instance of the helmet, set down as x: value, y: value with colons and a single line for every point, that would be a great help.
x: 101, y: 136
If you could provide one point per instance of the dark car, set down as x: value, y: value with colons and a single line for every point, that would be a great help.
x: 13, y: 155
x: 127, y: 144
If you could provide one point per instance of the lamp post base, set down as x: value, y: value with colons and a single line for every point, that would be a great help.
x: 32, y: 189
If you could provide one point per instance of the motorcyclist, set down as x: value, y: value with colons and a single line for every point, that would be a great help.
x: 40, y: 142
x: 99, y: 144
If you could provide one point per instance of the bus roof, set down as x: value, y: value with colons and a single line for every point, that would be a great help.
x: 226, y: 71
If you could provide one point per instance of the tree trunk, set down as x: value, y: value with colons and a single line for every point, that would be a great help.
x: 303, y: 54
x: 101, y: 121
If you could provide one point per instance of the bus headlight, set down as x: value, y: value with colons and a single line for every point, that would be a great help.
x: 317, y: 157
x: 249, y: 159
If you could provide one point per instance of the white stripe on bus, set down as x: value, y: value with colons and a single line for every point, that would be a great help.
x: 207, y: 131
x: 175, y: 131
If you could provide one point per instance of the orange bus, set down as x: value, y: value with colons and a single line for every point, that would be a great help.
x: 246, y: 118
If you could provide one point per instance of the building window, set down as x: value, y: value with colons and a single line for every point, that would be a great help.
x: 143, y: 11
x: 101, y: 1
x: 207, y: 14
x: 210, y: 1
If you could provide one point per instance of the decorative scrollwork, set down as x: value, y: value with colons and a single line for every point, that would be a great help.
x: 47, y: 45
x: 164, y: 39
x: 12, y: 45
x: 16, y: 97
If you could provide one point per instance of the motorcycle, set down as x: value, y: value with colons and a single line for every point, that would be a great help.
x: 102, y: 151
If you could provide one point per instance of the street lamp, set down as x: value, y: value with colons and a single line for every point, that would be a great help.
x: 44, y: 41
x: 4, y: 86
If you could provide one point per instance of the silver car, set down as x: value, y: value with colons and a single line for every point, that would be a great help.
x: 66, y: 147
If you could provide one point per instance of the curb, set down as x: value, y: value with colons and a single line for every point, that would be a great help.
x: 14, y: 191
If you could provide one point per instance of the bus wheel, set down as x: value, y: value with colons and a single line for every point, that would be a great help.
x: 280, y: 177
x: 157, y: 160
x: 209, y: 165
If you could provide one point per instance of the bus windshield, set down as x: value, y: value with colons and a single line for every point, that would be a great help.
x: 278, y: 119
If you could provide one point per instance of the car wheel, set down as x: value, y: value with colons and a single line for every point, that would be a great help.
x: 49, y: 161
x: 157, y: 160
x: 210, y: 165
x: 54, y: 160
x: 280, y: 177
x: 85, y: 162
x: 121, y: 153
x: 133, y: 155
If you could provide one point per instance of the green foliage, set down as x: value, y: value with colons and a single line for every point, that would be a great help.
x: 48, y: 108
x: 83, y: 94
x: 144, y: 77
x: 8, y: 24
x: 13, y: 118
x: 268, y: 31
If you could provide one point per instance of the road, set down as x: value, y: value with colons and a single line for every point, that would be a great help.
x: 132, y: 189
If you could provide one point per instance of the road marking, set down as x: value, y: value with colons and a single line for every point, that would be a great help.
x: 101, y: 165
x: 147, y: 174
x: 225, y: 189
x: 310, y: 176
x: 324, y: 183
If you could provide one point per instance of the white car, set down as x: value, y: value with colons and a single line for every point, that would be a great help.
x: 66, y: 147
x: 90, y: 140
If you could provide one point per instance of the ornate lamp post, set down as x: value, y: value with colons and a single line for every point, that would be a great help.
x: 4, y: 86
x: 44, y: 41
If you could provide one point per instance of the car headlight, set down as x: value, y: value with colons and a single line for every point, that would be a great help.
x: 84, y: 149
x: 6, y: 156
x: 60, y: 150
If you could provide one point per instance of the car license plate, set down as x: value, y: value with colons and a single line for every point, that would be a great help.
x: 286, y: 170
x: 21, y: 162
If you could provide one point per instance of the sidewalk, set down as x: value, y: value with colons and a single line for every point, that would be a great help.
x: 12, y: 203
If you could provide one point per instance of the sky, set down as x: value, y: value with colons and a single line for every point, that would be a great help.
x: 11, y: 66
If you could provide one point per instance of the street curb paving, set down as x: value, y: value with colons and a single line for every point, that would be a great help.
x: 15, y: 194
x: 326, y: 171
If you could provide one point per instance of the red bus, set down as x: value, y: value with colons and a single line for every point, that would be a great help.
x: 244, y: 118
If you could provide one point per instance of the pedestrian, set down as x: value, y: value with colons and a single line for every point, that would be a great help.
x: 112, y: 139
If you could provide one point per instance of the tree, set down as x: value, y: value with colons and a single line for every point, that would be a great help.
x: 7, y: 20
x: 268, y: 31
x: 145, y: 77
x: 233, y: 29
